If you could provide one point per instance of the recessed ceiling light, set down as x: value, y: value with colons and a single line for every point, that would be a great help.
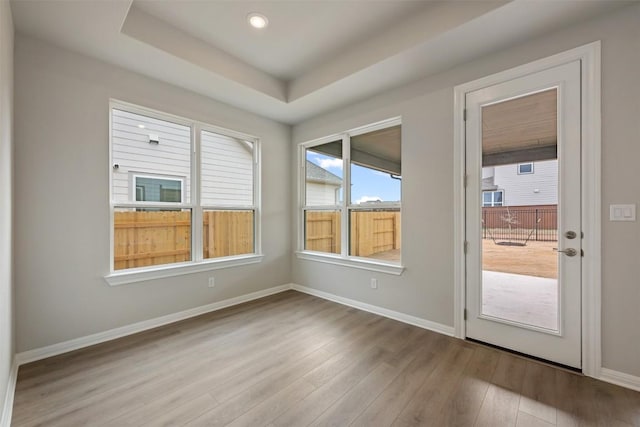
x: 257, y: 20
x: 141, y: 126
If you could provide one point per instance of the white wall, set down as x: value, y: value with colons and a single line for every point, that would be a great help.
x: 227, y: 171
x: 6, y: 199
x: 318, y: 194
x: 62, y: 212
x: 519, y: 190
x: 426, y: 287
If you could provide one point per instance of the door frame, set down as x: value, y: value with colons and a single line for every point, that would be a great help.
x: 589, y: 55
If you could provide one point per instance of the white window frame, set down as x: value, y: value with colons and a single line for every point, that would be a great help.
x: 344, y: 207
x: 136, y: 175
x: 197, y: 263
x: 493, y: 198
x: 221, y: 207
x: 525, y: 173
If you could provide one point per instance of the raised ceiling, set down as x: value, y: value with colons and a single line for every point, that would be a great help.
x: 315, y: 56
x: 301, y: 34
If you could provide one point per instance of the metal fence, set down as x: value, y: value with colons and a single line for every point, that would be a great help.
x: 520, y: 223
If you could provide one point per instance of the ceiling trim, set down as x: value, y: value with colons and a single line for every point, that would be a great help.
x: 162, y: 35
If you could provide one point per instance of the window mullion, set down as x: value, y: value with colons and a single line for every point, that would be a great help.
x: 302, y: 199
x: 197, y: 223
x: 257, y: 198
x: 346, y: 199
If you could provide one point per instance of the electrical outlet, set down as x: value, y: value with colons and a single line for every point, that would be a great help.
x: 374, y: 283
x: 212, y: 282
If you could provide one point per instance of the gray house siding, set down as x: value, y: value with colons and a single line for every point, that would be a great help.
x: 226, y: 163
x: 135, y: 155
x: 537, y: 188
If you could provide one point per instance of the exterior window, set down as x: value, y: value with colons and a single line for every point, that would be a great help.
x: 492, y: 198
x: 525, y: 168
x: 151, y: 189
x: 158, y: 218
x: 352, y: 194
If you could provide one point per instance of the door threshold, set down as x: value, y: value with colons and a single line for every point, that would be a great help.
x: 528, y: 356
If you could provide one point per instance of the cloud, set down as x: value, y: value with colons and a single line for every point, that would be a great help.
x: 364, y: 199
x: 328, y: 163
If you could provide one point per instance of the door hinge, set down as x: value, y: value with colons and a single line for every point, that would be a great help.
x: 465, y: 181
x: 464, y: 115
x: 466, y: 246
x: 464, y: 314
x: 582, y: 252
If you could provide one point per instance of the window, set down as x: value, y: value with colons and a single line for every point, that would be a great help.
x: 492, y: 198
x: 182, y: 192
x: 352, y: 194
x: 157, y: 189
x: 525, y: 168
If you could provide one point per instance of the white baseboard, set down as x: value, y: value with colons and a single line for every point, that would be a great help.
x: 77, y: 343
x: 391, y: 314
x: 620, y: 378
x: 89, y: 340
x: 7, y: 409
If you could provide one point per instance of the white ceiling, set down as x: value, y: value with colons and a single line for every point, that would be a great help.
x: 301, y: 34
x: 316, y: 55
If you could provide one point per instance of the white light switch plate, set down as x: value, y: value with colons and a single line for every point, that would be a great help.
x: 622, y: 212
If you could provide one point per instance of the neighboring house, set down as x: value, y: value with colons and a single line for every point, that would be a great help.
x: 323, y: 187
x: 522, y: 184
x: 151, y: 162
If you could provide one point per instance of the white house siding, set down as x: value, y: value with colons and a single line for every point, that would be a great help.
x: 520, y: 190
x: 319, y: 194
x: 227, y: 171
x: 132, y: 152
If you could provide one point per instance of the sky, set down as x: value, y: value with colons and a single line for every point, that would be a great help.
x: 366, y: 184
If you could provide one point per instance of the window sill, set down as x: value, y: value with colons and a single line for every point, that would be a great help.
x: 159, y: 272
x: 361, y: 263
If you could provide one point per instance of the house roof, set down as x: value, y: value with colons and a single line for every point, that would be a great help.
x: 317, y: 174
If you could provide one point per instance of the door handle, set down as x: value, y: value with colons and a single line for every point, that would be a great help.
x: 568, y: 251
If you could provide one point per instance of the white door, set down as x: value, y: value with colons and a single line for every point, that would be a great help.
x: 523, y: 204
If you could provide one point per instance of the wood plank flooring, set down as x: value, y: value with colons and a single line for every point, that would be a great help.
x: 295, y: 360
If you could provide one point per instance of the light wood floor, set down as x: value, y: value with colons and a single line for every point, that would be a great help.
x: 295, y: 360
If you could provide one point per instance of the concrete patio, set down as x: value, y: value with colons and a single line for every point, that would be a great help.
x: 519, y: 298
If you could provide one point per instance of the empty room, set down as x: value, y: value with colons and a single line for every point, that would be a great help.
x: 319, y: 212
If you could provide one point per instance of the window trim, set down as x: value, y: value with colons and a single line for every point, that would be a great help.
x: 345, y: 207
x: 525, y: 173
x: 197, y: 263
x: 133, y: 275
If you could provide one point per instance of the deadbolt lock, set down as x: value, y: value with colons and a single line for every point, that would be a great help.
x: 570, y: 234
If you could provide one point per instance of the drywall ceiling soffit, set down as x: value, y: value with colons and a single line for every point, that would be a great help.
x: 314, y: 57
x: 308, y: 45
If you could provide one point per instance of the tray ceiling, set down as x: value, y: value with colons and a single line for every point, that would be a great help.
x: 314, y: 56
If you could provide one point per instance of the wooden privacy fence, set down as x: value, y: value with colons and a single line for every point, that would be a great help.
x: 145, y: 238
x: 163, y: 237
x: 322, y: 231
x: 371, y: 232
x: 227, y: 233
